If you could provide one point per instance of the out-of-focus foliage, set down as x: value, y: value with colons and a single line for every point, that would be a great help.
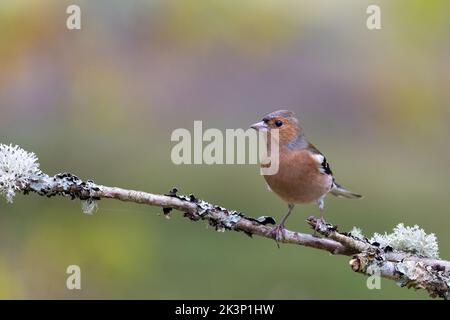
x: 102, y: 102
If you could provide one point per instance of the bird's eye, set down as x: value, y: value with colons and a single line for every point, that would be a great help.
x: 278, y: 123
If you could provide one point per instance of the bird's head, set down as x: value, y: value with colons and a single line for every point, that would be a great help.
x: 284, y: 121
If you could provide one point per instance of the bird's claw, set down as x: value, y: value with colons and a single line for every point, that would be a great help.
x: 319, y: 223
x: 277, y: 233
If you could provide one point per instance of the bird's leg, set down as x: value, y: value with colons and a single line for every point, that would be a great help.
x: 277, y: 232
x: 321, y: 204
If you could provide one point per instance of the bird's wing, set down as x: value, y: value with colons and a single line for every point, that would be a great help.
x: 324, y: 166
x: 339, y: 191
x: 336, y: 189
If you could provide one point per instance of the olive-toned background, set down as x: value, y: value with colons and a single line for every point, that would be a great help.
x: 102, y: 102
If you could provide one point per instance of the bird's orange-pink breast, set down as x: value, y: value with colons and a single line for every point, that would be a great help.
x: 299, y: 179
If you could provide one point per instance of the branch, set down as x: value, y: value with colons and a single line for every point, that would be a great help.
x: 407, y: 267
x: 66, y: 184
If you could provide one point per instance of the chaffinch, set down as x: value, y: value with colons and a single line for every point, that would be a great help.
x: 304, y: 175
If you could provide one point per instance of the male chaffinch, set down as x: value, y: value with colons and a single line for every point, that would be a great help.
x: 304, y: 175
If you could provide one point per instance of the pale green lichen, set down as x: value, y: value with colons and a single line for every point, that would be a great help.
x: 409, y: 239
x: 357, y: 233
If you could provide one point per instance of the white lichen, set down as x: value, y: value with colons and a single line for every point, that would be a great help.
x: 412, y: 270
x: 89, y: 206
x: 17, y: 168
x: 409, y: 239
x: 357, y: 232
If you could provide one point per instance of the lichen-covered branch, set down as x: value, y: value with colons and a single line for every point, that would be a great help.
x: 405, y: 267
x: 66, y: 184
x: 408, y: 256
x: 369, y: 258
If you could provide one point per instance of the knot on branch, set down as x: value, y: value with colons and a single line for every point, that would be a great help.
x: 366, y: 261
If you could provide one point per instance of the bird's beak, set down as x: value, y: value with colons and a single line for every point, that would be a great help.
x: 259, y: 126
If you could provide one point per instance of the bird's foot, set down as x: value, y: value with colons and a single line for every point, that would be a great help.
x: 277, y: 233
x: 319, y: 222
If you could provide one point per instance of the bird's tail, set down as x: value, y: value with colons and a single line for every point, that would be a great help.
x: 339, y: 191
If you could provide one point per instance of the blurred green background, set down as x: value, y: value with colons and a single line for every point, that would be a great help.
x: 102, y: 102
